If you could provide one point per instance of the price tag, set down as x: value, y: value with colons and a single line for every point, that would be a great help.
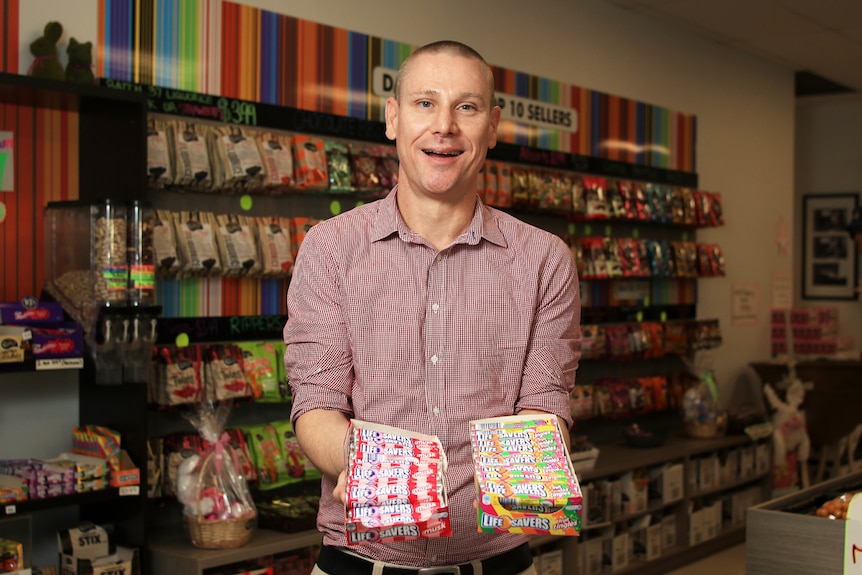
x: 60, y: 363
x: 11, y: 509
x: 130, y: 490
x: 588, y: 230
x: 853, y: 537
x: 608, y: 231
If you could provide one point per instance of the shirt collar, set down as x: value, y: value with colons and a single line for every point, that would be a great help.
x: 483, y: 225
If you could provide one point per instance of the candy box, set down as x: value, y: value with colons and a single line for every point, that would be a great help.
x: 395, y: 487
x: 12, y: 344
x: 56, y: 340
x: 30, y: 312
x: 524, y: 476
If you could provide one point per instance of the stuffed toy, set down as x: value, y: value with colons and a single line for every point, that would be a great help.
x: 80, y: 66
x: 790, y: 431
x: 44, y: 49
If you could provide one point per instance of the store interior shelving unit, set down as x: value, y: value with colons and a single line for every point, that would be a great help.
x: 113, y: 119
x: 112, y: 164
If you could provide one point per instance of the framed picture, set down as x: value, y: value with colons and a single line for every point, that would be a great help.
x: 828, y: 252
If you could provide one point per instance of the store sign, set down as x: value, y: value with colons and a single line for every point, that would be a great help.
x: 512, y: 108
x: 853, y: 537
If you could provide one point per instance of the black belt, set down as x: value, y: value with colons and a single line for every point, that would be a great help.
x: 334, y: 561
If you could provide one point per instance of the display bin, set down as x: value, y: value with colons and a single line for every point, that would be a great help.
x: 785, y: 537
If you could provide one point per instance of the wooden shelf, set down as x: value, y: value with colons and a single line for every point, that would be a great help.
x: 171, y: 553
x: 616, y: 459
x: 101, y: 496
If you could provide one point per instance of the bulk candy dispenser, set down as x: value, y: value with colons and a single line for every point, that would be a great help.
x: 98, y: 265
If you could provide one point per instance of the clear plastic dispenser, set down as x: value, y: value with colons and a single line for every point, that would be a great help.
x: 87, y: 271
x: 142, y: 269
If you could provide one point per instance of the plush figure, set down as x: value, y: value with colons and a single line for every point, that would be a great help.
x: 789, y: 429
x: 80, y: 66
x: 44, y: 49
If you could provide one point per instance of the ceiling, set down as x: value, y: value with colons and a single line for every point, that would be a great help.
x: 821, y: 40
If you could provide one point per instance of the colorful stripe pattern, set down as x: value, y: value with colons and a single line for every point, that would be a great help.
x: 46, y: 169
x: 230, y: 49
x: 9, y: 27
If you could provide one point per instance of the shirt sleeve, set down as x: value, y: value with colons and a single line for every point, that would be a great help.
x: 317, y: 356
x: 555, y: 348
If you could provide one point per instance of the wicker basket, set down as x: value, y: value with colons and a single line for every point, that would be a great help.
x: 220, y: 533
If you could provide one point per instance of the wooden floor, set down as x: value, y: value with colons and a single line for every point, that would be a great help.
x: 731, y: 561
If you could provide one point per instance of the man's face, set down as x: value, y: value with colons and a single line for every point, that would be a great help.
x: 443, y: 124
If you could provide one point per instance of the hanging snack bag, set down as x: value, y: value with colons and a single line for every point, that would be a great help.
x: 180, y: 378
x: 218, y: 510
x: 277, y: 155
x: 268, y: 457
x: 223, y: 371
x: 196, y: 239
x: 309, y: 163
x: 159, y: 145
x: 338, y: 166
x: 191, y: 157
x: 165, y: 254
x: 241, y: 166
x: 299, y: 467
x: 237, y: 246
x: 364, y: 168
x: 276, y: 247
x: 387, y: 167
x: 258, y: 360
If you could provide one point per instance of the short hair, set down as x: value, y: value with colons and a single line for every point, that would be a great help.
x: 448, y: 47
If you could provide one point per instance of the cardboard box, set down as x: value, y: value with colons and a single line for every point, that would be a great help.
x: 80, y: 546
x: 708, y: 472
x: 593, y: 556
x: 668, y: 532
x: 127, y: 474
x: 634, y: 486
x: 667, y: 481
x: 30, y: 312
x: 12, y: 344
x: 550, y: 563
x: 124, y: 562
x: 654, y: 543
x: 620, y: 549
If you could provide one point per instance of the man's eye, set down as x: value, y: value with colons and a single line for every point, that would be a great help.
x: 424, y: 104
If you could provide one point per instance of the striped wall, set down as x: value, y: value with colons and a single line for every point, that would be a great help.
x: 229, y: 49
x: 226, y: 48
x: 46, y: 169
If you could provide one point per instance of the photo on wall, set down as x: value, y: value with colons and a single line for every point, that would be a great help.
x: 829, y: 269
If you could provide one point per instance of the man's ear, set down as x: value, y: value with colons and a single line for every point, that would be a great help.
x: 495, y: 120
x: 391, y: 118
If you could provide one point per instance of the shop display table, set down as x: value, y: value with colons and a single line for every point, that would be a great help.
x: 785, y: 537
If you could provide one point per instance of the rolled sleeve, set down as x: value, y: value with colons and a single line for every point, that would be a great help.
x: 317, y: 355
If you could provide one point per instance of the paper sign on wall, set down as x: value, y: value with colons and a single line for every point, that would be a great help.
x: 853, y: 537
x: 7, y: 163
x: 744, y: 303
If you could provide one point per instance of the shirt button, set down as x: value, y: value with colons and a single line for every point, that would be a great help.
x: 436, y: 411
x: 435, y: 307
x: 434, y: 359
x: 438, y: 258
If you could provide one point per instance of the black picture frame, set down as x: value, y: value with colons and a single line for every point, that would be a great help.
x: 829, y: 263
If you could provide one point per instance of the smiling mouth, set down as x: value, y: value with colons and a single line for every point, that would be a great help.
x: 442, y: 154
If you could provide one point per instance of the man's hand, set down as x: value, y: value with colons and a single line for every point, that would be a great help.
x: 340, y: 491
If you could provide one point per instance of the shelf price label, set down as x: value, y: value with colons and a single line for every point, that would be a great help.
x: 10, y: 510
x: 853, y: 537
x: 130, y: 490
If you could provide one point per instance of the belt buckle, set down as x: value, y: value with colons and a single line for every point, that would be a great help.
x: 449, y: 569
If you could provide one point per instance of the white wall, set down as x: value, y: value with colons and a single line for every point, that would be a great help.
x: 745, y: 111
x: 829, y: 160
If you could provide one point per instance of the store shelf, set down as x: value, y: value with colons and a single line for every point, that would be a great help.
x: 615, y: 459
x: 91, y: 497
x: 31, y: 365
x: 680, y: 555
x: 171, y: 553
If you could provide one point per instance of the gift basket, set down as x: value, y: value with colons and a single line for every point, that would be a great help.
x: 218, y: 510
x: 703, y: 415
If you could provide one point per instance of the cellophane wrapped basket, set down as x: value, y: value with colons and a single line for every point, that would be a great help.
x: 218, y: 510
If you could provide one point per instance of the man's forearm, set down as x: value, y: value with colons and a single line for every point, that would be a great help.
x: 321, y: 436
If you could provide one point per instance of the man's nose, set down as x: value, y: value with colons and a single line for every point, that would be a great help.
x: 445, y: 122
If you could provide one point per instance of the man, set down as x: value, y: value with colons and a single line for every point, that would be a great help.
x: 425, y: 310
